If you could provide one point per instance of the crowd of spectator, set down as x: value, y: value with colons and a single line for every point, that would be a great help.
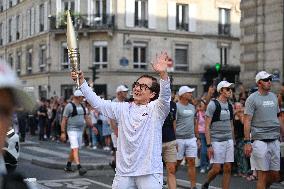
x: 45, y: 122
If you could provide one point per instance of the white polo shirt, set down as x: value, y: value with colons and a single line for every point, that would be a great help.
x: 139, y: 145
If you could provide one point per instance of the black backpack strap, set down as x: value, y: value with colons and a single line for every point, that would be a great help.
x: 216, y: 115
x: 84, y: 109
x: 231, y: 111
x: 74, y: 112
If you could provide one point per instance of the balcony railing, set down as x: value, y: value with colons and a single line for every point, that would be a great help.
x: 82, y: 21
x: 182, y: 26
x: 224, y: 29
x: 141, y: 23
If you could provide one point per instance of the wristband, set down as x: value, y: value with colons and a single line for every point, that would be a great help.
x: 62, y: 132
x: 247, y: 141
x: 209, y: 145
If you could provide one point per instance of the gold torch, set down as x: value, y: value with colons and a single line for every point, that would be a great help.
x: 73, y: 50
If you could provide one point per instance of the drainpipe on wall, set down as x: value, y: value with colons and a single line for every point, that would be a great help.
x: 263, y: 32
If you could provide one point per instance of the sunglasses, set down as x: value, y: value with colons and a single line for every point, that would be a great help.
x: 142, y: 86
x: 266, y: 79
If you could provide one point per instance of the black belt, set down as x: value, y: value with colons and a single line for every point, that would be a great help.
x: 266, y: 140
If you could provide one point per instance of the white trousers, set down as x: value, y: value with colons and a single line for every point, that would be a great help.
x: 152, y: 181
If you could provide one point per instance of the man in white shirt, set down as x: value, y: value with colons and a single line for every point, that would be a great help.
x: 139, y: 143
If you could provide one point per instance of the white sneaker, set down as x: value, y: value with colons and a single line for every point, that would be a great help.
x: 106, y: 148
x: 94, y: 147
x: 183, y: 162
x: 202, y: 170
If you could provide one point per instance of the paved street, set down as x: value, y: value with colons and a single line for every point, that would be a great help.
x: 45, y: 162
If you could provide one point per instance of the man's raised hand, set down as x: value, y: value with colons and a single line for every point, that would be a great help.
x: 161, y: 63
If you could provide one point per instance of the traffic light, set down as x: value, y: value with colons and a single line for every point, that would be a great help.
x: 95, y: 73
x: 218, y: 67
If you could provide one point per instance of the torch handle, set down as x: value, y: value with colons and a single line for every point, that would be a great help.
x: 77, y: 82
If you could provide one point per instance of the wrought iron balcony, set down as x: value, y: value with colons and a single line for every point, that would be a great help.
x: 141, y: 23
x: 182, y: 26
x: 83, y: 21
x: 224, y: 29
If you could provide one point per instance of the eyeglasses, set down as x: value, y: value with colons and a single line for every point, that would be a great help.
x: 266, y: 79
x: 142, y: 86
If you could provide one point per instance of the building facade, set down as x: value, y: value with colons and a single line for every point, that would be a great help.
x: 261, y: 39
x: 118, y: 40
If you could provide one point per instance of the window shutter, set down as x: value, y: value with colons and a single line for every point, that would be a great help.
x: 192, y: 17
x: 28, y: 13
x: 45, y: 16
x: 37, y: 19
x: 33, y: 21
x: 58, y: 6
x: 152, y: 9
x: 58, y: 11
x: 109, y: 6
x: 13, y: 33
x: 90, y: 13
x: 171, y: 15
x: 129, y: 12
x: 77, y: 6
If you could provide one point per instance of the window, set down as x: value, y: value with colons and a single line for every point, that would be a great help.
x: 17, y: 27
x: 1, y: 6
x: 100, y: 7
x: 139, y: 56
x: 69, y: 5
x: 181, y: 58
x: 42, y: 58
x: 223, y: 56
x: 18, y: 66
x: 224, y: 22
x: 141, y: 13
x: 10, y: 30
x: 64, y: 56
x: 29, y: 61
x: 182, y: 17
x: 10, y: 3
x: 11, y: 60
x: 100, y: 54
x: 41, y: 17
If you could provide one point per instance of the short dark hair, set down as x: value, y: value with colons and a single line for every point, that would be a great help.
x: 155, y: 85
x: 12, y: 93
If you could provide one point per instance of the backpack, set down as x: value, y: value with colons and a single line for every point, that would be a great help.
x: 217, y: 113
x: 74, y: 112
